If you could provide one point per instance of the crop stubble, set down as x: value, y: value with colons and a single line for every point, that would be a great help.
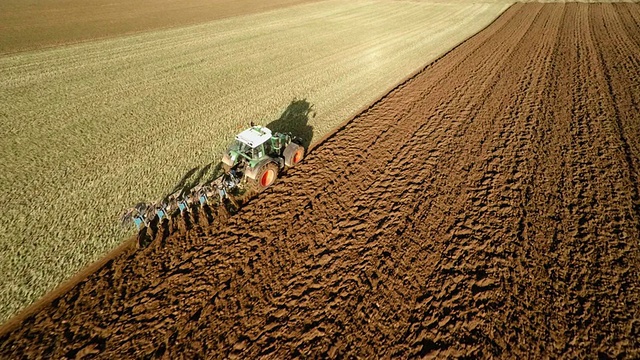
x: 486, y: 207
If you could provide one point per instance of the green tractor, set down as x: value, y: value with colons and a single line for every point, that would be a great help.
x: 257, y: 156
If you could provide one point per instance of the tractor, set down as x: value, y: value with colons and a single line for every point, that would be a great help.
x: 257, y: 156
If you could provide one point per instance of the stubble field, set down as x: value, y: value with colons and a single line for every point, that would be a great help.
x: 91, y: 129
x: 32, y: 25
x: 487, y: 207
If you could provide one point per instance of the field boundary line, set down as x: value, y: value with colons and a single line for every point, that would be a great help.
x: 131, y: 244
x: 66, y: 286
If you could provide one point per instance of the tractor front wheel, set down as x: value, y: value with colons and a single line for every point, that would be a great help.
x: 266, y: 176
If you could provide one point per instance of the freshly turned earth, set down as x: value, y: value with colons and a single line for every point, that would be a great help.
x: 487, y: 207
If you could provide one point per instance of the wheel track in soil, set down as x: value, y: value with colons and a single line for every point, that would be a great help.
x: 485, y: 207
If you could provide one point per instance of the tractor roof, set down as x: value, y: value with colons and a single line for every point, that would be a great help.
x: 254, y: 136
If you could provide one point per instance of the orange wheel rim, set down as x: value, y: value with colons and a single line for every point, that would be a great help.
x: 267, y: 177
x: 297, y: 157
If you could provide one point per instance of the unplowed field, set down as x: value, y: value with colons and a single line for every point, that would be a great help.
x: 487, y: 207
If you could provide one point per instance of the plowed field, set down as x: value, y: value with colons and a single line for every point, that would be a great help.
x: 489, y: 206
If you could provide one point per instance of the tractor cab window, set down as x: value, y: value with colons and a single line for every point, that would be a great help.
x: 257, y: 152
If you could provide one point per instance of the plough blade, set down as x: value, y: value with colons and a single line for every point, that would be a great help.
x: 143, y: 214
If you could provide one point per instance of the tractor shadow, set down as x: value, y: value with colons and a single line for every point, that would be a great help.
x: 294, y: 119
x: 194, y: 177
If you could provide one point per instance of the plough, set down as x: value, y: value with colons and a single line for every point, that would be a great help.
x: 213, y: 193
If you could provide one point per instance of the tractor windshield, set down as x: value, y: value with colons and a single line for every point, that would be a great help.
x: 240, y: 148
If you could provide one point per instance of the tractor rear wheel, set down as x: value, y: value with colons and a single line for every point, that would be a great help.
x: 293, y: 154
x: 266, y: 176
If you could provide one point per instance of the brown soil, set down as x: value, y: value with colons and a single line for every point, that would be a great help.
x: 487, y: 207
x: 26, y: 25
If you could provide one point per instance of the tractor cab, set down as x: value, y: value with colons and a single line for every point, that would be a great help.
x: 248, y: 146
